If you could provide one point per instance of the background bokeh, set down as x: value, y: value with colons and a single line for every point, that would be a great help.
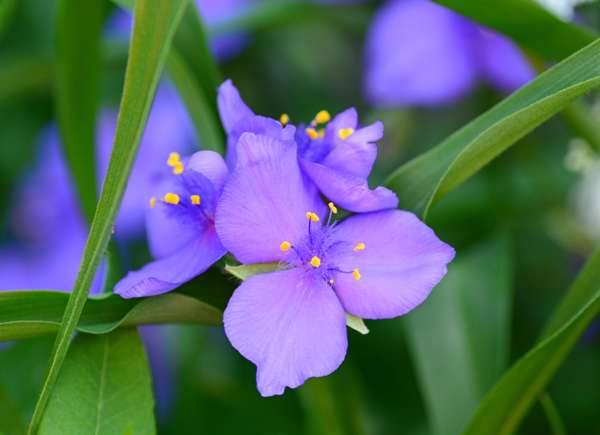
x: 526, y: 202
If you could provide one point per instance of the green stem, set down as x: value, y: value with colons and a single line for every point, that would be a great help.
x: 554, y: 420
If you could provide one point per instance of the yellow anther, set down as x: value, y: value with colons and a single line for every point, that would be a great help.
x: 312, y: 216
x: 322, y: 117
x: 152, y: 202
x: 356, y: 274
x: 359, y: 247
x: 284, y: 119
x: 345, y: 133
x: 312, y: 133
x: 178, y: 168
x: 321, y: 132
x: 332, y: 207
x: 315, y: 261
x: 174, y: 159
x: 285, y: 246
x: 195, y: 199
x: 171, y: 198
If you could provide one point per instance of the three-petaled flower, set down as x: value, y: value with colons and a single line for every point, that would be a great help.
x: 291, y: 323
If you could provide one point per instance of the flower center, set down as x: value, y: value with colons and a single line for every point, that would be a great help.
x: 314, y: 252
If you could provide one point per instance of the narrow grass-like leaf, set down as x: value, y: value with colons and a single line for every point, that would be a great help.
x: 200, y: 110
x: 429, y: 177
x: 155, y: 24
x: 528, y: 23
x: 77, y: 85
x: 31, y: 313
x: 7, y: 11
x: 464, y: 329
x: 104, y: 388
x: 505, y: 405
x: 196, y: 75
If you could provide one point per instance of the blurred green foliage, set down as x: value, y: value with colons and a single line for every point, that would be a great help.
x: 300, y: 66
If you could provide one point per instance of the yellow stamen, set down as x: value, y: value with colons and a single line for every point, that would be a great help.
x: 312, y: 133
x: 332, y: 207
x: 152, y: 202
x: 321, y: 132
x: 178, y: 168
x: 171, y: 198
x: 322, y: 117
x: 174, y: 159
x: 356, y: 274
x: 345, y: 133
x: 359, y: 247
x: 312, y: 216
x: 315, y: 261
x: 285, y: 246
x: 284, y: 119
x: 195, y: 199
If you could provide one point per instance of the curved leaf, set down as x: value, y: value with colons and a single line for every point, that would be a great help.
x: 32, y: 313
x: 104, y: 388
x: 426, y: 179
x: 155, y: 24
x: 505, y: 405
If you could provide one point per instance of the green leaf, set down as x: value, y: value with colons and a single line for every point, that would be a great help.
x: 194, y: 71
x: 10, y: 415
x: 244, y: 271
x: 201, y: 111
x: 77, y: 85
x: 155, y: 23
x: 505, y: 405
x: 429, y: 177
x: 7, y: 12
x: 33, y: 313
x: 525, y: 21
x: 104, y: 388
x: 463, y: 329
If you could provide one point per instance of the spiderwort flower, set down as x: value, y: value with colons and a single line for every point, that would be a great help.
x: 420, y: 53
x: 180, y: 224
x: 337, y: 156
x: 291, y: 323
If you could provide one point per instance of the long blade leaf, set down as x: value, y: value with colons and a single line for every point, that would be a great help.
x: 155, y: 24
x: 429, y: 177
x: 505, y: 405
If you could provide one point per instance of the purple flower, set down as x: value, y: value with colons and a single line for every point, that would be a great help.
x: 291, y: 323
x: 49, y: 225
x: 420, y: 53
x: 338, y: 158
x: 180, y: 224
x: 47, y: 220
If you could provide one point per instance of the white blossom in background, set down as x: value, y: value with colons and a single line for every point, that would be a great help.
x: 587, y: 201
x: 565, y: 9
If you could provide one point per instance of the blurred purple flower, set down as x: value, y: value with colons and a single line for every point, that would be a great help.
x: 337, y: 158
x: 213, y: 12
x: 291, y: 323
x: 181, y: 231
x: 420, y: 53
x: 47, y: 219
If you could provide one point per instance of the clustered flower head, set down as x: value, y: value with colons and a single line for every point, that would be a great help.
x: 277, y: 200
